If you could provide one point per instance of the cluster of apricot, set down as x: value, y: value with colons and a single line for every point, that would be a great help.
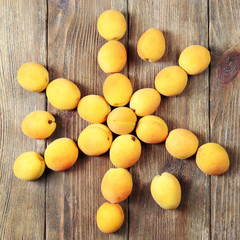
x: 97, y: 138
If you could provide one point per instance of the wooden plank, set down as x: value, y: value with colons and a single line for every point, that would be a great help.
x: 23, y: 39
x: 74, y: 196
x: 183, y: 23
x: 225, y: 114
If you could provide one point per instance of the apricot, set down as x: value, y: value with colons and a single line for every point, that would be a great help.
x: 61, y: 154
x: 111, y: 25
x: 38, y: 125
x: 181, y: 143
x: 33, y: 77
x: 95, y: 139
x: 125, y: 151
x: 194, y: 59
x: 122, y: 120
x: 94, y: 109
x: 110, y: 217
x: 145, y: 101
x: 117, y: 89
x: 29, y: 166
x: 151, y: 45
x: 112, y: 57
x: 171, y: 81
x: 212, y: 159
x: 63, y: 94
x: 166, y: 191
x: 151, y: 129
x: 116, y: 185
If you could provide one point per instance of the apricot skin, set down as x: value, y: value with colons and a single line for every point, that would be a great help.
x: 110, y: 217
x: 38, y: 125
x: 61, y: 154
x: 94, y: 109
x: 33, y: 77
x: 29, y: 166
x: 181, y: 143
x: 116, y: 185
x: 95, y: 139
x: 151, y: 45
x: 212, y: 159
x: 166, y: 191
x: 152, y: 129
x: 117, y: 89
x: 112, y: 57
x: 171, y: 81
x: 145, y: 101
x: 125, y: 151
x: 111, y: 25
x: 122, y: 120
x: 63, y: 94
x: 194, y: 59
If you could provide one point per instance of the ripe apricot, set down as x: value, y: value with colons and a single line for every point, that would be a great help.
x: 95, y: 139
x: 117, y: 89
x: 29, y: 166
x: 151, y: 45
x: 110, y: 217
x: 116, y: 185
x: 145, y: 101
x: 125, y: 151
x: 94, y: 109
x: 151, y: 129
x: 194, y: 59
x: 166, y: 191
x: 171, y: 81
x: 181, y: 143
x: 38, y: 125
x: 122, y: 120
x: 61, y: 154
x: 111, y: 25
x: 33, y: 77
x: 212, y: 159
x: 63, y: 94
x: 112, y: 57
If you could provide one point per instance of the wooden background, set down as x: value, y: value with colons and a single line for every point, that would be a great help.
x: 62, y: 35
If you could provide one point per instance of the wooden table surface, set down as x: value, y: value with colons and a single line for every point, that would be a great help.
x: 62, y: 35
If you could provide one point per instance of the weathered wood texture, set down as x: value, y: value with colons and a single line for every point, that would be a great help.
x: 225, y: 115
x: 22, y: 39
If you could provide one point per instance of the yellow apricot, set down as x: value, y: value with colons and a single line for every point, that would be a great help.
x: 112, y: 57
x: 181, y: 143
x: 125, y: 151
x: 151, y: 45
x: 166, y: 191
x: 33, y: 77
x: 38, y: 125
x: 29, y: 166
x: 122, y: 120
x: 95, y: 139
x: 111, y: 25
x: 117, y: 89
x: 171, y: 81
x: 61, y: 154
x: 116, y: 185
x: 151, y: 129
x: 212, y: 159
x: 194, y: 59
x: 145, y: 101
x: 63, y: 94
x: 110, y: 217
x: 94, y: 109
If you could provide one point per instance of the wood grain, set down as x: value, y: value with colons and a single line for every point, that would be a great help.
x: 183, y: 23
x: 22, y: 39
x: 225, y: 115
